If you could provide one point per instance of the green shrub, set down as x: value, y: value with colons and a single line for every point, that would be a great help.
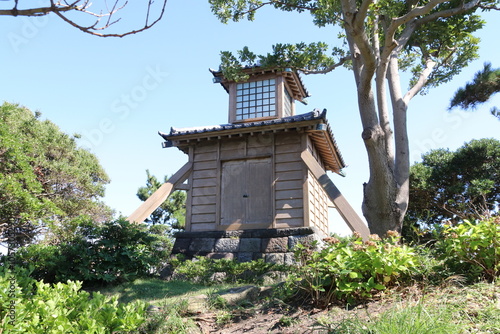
x: 40, y: 308
x: 472, y: 249
x: 350, y: 269
x: 202, y: 269
x: 113, y: 252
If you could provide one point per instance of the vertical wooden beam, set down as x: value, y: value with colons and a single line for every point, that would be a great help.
x: 343, y: 207
x: 160, y: 195
x: 306, y: 202
x: 189, y: 197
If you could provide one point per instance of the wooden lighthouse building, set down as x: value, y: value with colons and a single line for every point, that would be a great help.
x: 258, y: 177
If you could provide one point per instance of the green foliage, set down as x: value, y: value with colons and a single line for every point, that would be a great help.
x: 349, y: 269
x: 485, y: 84
x: 404, y: 319
x: 202, y: 269
x: 472, y: 249
x: 64, y: 308
x: 446, y: 39
x: 307, y: 58
x: 453, y: 186
x: 172, y: 211
x: 170, y: 319
x: 113, y: 252
x: 44, y: 174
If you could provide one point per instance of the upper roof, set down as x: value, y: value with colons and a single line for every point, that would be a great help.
x: 292, y: 78
x: 321, y: 136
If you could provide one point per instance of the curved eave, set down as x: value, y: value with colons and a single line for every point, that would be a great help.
x: 293, y: 79
x: 322, y: 137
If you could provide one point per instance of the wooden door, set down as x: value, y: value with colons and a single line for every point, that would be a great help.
x: 246, y: 193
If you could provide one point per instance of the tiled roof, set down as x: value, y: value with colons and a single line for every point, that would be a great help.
x: 324, y: 140
x: 310, y: 116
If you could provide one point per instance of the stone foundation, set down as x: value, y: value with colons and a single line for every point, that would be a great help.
x: 272, y: 245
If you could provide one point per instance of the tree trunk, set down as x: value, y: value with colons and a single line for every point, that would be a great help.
x: 382, y: 197
x: 385, y: 195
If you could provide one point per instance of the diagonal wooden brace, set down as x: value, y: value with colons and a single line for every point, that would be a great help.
x: 161, y: 194
x: 343, y: 207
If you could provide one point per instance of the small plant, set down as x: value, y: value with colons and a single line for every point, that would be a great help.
x: 287, y: 321
x: 169, y: 319
x: 349, y: 269
x: 223, y: 317
x: 472, y: 249
x: 216, y: 301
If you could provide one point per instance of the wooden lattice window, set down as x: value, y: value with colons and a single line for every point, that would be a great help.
x: 256, y: 99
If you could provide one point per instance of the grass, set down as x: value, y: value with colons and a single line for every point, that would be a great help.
x: 154, y: 291
x: 440, y: 310
x: 170, y: 298
x: 448, y: 310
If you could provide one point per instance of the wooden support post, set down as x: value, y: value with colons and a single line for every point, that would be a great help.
x: 161, y: 194
x: 343, y: 207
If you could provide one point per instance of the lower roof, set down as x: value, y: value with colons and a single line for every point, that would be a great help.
x: 321, y: 136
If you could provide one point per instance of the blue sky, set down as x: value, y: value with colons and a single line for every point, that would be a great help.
x: 118, y: 93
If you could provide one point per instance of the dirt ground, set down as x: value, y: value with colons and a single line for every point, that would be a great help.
x: 478, y: 304
x: 285, y: 320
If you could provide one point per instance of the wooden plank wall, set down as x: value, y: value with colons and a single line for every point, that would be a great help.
x: 289, y: 174
x: 204, y: 177
x: 289, y: 181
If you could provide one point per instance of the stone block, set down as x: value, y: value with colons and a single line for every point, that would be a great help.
x: 289, y: 259
x: 181, y: 246
x: 218, y: 256
x: 258, y: 256
x: 202, y: 245
x: 227, y: 245
x: 245, y: 256
x: 275, y: 258
x: 250, y: 245
x: 274, y: 245
x: 238, y: 295
x: 306, y: 240
x: 233, y: 234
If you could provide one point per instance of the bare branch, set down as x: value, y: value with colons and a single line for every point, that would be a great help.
x: 60, y: 8
x: 464, y: 7
x: 422, y: 80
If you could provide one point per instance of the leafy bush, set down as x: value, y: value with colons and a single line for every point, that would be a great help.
x: 472, y: 249
x: 115, y: 251
x: 38, y: 308
x: 349, y: 269
x: 202, y: 270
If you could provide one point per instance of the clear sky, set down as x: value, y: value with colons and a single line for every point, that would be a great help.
x: 118, y: 93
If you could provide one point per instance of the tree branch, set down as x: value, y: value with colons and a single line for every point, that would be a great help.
x: 360, y: 16
x: 422, y: 80
x: 326, y: 70
x: 61, y: 8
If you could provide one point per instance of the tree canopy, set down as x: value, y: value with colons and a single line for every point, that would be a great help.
x: 485, y: 84
x: 431, y: 40
x: 44, y: 175
x: 172, y: 211
x: 456, y: 185
x: 91, y: 18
